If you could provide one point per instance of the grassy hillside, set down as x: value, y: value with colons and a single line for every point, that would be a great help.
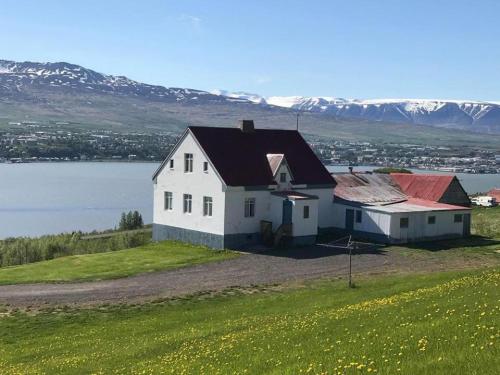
x: 109, y: 265
x: 125, y: 114
x: 445, y: 323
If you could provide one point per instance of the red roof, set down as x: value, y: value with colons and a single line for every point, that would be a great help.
x: 424, y: 186
x: 435, y: 205
x: 495, y: 193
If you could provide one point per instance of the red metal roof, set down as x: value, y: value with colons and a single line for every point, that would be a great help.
x: 435, y: 205
x: 424, y: 186
x: 495, y: 193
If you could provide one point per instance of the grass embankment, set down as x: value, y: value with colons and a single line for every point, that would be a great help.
x: 442, y: 323
x: 121, y: 263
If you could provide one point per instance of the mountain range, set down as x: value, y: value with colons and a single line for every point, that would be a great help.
x: 476, y: 116
x: 67, y: 92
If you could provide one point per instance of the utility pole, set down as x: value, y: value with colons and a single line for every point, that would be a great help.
x: 298, y: 114
x: 349, y: 245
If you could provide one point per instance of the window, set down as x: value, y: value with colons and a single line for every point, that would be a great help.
x: 403, y: 222
x: 249, y: 207
x: 358, y: 216
x: 168, y: 200
x: 207, y: 206
x: 205, y: 166
x: 431, y: 220
x: 282, y: 177
x: 458, y: 218
x: 171, y: 163
x: 188, y: 199
x: 188, y: 163
x: 306, y: 212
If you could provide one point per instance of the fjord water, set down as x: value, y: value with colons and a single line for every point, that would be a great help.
x: 46, y: 198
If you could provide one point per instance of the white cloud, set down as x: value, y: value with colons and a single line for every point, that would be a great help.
x: 261, y: 80
x: 192, y: 21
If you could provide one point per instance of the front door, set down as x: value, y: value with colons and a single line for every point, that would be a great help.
x: 466, y: 229
x: 287, y: 211
x: 349, y: 219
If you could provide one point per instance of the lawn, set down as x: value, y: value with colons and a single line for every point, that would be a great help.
x: 440, y: 323
x: 115, y: 264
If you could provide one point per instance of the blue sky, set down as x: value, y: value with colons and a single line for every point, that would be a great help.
x: 350, y: 49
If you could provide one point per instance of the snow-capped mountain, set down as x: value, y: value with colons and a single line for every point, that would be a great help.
x: 38, y: 82
x: 16, y: 77
x: 471, y: 115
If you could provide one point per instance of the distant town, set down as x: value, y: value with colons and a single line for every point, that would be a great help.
x: 31, y: 141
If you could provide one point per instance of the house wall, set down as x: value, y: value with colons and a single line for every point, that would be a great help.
x: 198, y: 184
x: 385, y: 227
x: 301, y: 226
x: 326, y: 214
x: 235, y: 220
x: 283, y: 168
x: 455, y: 195
x: 419, y: 229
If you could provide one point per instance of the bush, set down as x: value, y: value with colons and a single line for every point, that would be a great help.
x: 16, y: 251
x: 388, y: 170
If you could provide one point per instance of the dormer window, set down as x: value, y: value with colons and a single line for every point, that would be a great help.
x: 188, y: 163
x: 282, y: 177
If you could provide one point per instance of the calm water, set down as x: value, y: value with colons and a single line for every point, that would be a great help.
x: 43, y: 198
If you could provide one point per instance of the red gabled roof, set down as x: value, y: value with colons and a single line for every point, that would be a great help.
x: 241, y: 157
x: 495, y: 193
x: 424, y: 186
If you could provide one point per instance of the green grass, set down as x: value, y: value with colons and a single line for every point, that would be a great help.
x: 121, y: 263
x: 441, y: 323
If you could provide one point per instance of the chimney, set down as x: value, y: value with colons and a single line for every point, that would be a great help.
x: 350, y: 169
x: 246, y: 126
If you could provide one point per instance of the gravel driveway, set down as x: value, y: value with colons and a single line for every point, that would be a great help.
x: 246, y: 270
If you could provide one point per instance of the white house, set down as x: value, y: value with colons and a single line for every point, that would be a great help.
x: 230, y: 187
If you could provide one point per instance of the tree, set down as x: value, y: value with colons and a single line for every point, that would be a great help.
x: 388, y: 170
x: 131, y: 220
x: 123, y: 222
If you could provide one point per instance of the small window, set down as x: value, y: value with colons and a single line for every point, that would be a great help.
x: 249, y: 207
x: 282, y: 177
x: 171, y: 163
x: 168, y: 200
x: 188, y: 199
x: 403, y: 222
x: 431, y: 220
x: 306, y: 212
x: 188, y: 163
x: 205, y: 166
x: 207, y: 206
x: 458, y: 218
x: 358, y: 216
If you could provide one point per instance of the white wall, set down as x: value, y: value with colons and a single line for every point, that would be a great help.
x: 198, y: 184
x: 371, y: 221
x: 301, y: 226
x: 283, y: 168
x: 419, y: 228
x: 326, y: 214
x: 235, y: 220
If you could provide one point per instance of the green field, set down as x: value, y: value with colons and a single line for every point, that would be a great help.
x: 441, y: 323
x: 114, y: 264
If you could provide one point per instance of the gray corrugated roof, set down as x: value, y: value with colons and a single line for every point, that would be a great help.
x: 367, y: 188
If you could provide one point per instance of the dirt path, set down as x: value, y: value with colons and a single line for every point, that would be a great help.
x: 247, y: 270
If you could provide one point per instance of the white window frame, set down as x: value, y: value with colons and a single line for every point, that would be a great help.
x: 283, y: 177
x: 168, y: 201
x: 208, y: 206
x: 187, y: 203
x: 307, y: 212
x: 249, y: 207
x: 188, y: 163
